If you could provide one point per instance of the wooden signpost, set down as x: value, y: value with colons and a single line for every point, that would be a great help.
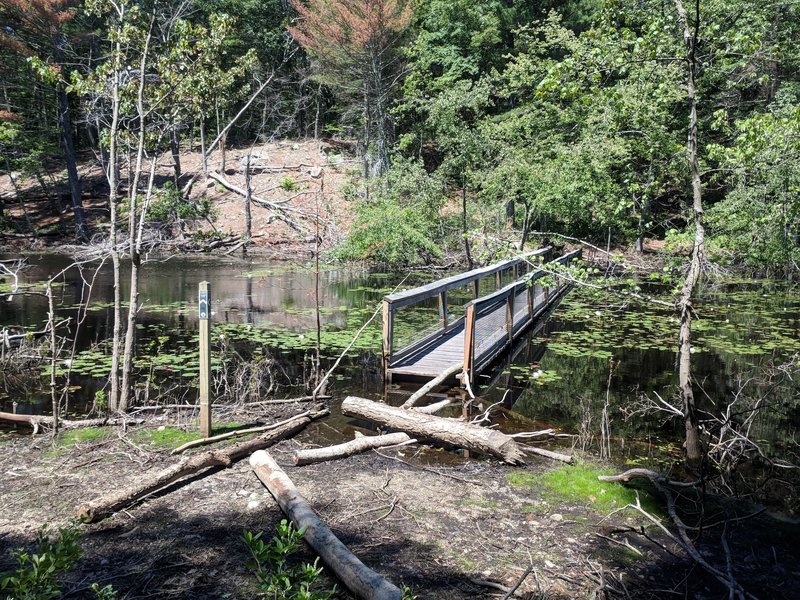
x: 204, y: 312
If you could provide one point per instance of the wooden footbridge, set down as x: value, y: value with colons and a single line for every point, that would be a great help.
x: 476, y: 316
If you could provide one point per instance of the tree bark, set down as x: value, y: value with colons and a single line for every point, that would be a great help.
x: 175, y: 148
x: 356, y: 446
x: 113, y: 183
x: 464, y: 228
x: 362, y: 581
x: 69, y: 148
x: 36, y: 420
x: 447, y: 431
x: 694, y: 446
x: 99, y: 508
x: 420, y: 393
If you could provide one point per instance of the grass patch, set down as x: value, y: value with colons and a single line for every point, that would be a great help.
x: 172, y: 437
x: 84, y: 434
x: 165, y: 437
x: 579, y: 485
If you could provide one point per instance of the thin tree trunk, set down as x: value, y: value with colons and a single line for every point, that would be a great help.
x: 175, y: 148
x: 133, y: 241
x: 694, y: 449
x: 248, y: 217
x: 113, y: 182
x: 464, y: 228
x: 69, y: 148
x: 203, y: 146
x: 51, y: 317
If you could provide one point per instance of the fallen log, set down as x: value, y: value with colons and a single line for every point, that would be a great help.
x: 432, y: 409
x: 101, y: 507
x: 237, y: 433
x: 444, y: 376
x: 567, y: 458
x: 356, y: 446
x: 447, y: 431
x: 36, y: 420
x: 362, y: 581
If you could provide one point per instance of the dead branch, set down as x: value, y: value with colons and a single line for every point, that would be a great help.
x: 447, y: 431
x: 356, y: 446
x: 240, y: 432
x: 101, y: 507
x: 445, y: 375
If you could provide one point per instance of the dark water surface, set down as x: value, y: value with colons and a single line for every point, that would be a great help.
x: 594, y: 348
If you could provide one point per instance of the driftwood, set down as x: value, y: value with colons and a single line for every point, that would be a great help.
x: 550, y: 454
x: 237, y: 433
x: 279, y: 210
x: 432, y: 409
x: 415, y: 397
x: 447, y: 431
x: 362, y: 581
x: 101, y: 507
x: 356, y: 446
x: 36, y: 420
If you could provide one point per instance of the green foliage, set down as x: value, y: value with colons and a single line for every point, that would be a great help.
x: 165, y: 437
x: 399, y: 223
x: 288, y: 184
x: 579, y: 485
x: 36, y: 575
x: 169, y: 206
x: 81, y: 435
x: 278, y: 577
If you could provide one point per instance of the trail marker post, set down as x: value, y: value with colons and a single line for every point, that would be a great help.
x: 204, y: 314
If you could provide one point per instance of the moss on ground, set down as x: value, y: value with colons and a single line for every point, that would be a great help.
x: 578, y: 484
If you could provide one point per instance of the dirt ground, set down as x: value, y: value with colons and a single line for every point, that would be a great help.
x: 426, y: 518
x: 304, y: 179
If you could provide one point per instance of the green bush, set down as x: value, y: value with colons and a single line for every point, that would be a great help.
x: 169, y: 206
x: 278, y: 578
x: 36, y: 575
x: 399, y: 224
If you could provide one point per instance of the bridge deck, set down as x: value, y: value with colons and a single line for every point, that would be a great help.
x: 428, y: 362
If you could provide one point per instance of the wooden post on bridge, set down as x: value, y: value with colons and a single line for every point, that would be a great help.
x: 204, y: 312
x: 443, y: 308
x: 388, y: 341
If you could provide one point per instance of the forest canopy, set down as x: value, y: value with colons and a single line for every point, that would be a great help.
x: 553, y: 116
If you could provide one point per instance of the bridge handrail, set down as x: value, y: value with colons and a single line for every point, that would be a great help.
x: 478, y: 307
x: 495, y: 298
x: 423, y: 292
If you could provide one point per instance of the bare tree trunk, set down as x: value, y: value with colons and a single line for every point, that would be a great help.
x: 113, y: 182
x: 133, y: 239
x: 248, y: 217
x: 464, y: 227
x: 101, y: 507
x: 51, y: 318
x: 175, y: 148
x: 447, y: 431
x: 203, y: 146
x: 694, y: 449
x: 69, y: 147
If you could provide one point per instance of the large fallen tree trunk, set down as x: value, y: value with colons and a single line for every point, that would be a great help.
x: 36, y: 420
x: 358, y: 445
x: 448, y: 431
x: 362, y: 581
x: 99, y: 508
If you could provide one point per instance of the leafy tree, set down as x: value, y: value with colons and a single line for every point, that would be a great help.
x: 399, y: 224
x: 352, y: 45
x: 36, y: 31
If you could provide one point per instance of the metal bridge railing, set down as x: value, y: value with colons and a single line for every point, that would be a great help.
x: 489, y: 329
x: 427, y: 335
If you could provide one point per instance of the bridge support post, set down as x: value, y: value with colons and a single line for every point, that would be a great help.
x: 388, y: 339
x: 443, y: 308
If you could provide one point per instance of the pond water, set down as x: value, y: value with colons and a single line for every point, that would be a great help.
x: 594, y: 348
